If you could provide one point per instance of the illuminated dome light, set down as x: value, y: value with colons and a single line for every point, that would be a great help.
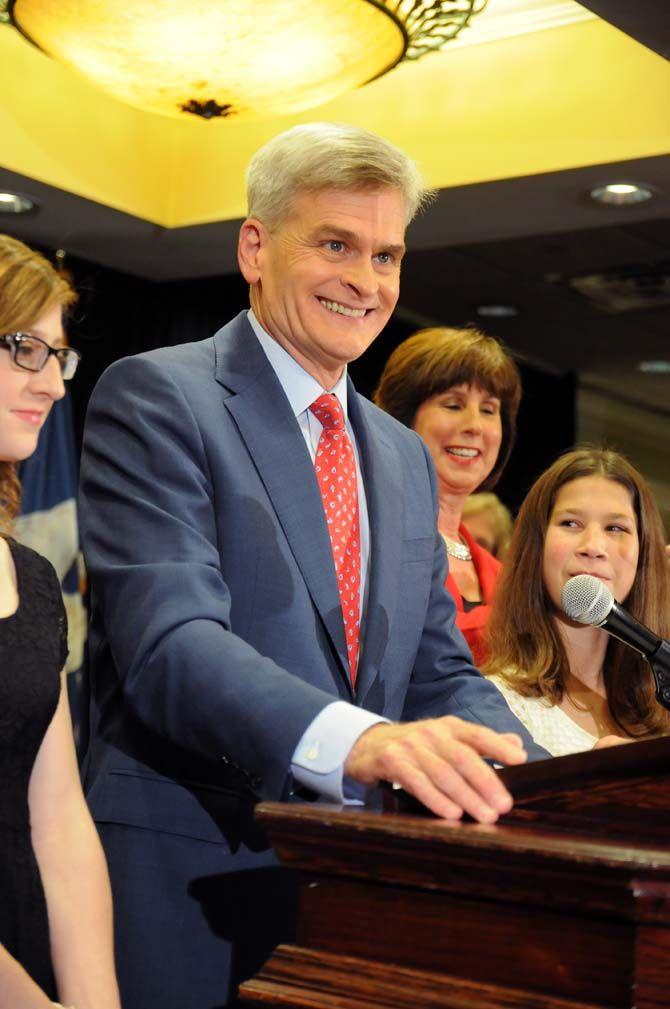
x: 221, y: 58
x: 497, y: 311
x: 15, y: 203
x: 654, y: 367
x: 621, y: 194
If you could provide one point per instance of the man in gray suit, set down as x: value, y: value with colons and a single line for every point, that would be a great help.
x: 268, y: 605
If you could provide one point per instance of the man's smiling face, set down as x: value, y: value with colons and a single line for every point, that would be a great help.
x: 325, y: 282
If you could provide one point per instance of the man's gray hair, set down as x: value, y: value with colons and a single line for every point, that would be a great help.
x: 319, y: 156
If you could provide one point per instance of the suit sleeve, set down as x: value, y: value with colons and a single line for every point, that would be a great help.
x: 444, y: 680
x: 149, y: 533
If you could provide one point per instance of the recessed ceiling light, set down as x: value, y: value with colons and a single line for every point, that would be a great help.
x: 621, y: 194
x: 497, y: 311
x: 14, y: 203
x: 655, y: 367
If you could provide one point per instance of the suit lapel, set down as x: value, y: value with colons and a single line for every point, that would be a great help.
x: 277, y: 448
x: 382, y: 475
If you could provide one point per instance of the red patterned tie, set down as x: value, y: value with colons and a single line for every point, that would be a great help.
x: 335, y: 466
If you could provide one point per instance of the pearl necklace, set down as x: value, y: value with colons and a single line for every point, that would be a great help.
x: 461, y: 551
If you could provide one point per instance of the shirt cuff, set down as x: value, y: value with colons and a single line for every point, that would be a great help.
x: 318, y: 759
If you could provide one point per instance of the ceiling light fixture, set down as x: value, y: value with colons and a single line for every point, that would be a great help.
x: 497, y: 311
x: 654, y: 367
x: 221, y: 58
x: 621, y: 194
x: 15, y: 203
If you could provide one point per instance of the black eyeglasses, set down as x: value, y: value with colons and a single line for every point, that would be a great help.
x: 31, y: 353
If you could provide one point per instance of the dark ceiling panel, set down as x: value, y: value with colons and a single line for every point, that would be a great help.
x: 648, y: 21
x: 555, y: 326
x: 656, y: 231
x: 544, y: 204
x: 586, y: 251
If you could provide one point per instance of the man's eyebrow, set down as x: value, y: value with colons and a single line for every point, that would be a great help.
x: 397, y: 250
x: 334, y: 230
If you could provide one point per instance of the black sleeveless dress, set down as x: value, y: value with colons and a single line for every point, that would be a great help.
x: 33, y: 649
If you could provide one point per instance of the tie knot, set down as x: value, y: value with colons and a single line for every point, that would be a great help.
x: 328, y: 411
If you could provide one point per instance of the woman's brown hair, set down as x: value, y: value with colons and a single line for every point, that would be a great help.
x: 29, y: 285
x: 524, y: 644
x: 433, y: 360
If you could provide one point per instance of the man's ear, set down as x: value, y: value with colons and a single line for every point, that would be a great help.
x: 250, y: 245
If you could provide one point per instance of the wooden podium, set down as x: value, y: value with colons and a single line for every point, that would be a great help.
x: 563, y: 905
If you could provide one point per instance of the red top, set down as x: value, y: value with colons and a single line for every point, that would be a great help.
x: 472, y: 623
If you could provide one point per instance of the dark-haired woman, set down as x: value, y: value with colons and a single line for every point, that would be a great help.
x: 574, y: 686
x: 55, y: 906
x: 460, y: 391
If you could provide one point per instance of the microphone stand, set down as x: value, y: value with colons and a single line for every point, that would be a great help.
x: 660, y: 667
x: 654, y: 649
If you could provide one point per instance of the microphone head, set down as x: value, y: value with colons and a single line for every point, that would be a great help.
x: 586, y: 599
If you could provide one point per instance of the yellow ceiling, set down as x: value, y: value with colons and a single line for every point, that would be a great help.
x: 537, y: 99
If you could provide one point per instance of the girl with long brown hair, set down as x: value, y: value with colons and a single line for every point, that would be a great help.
x: 574, y: 686
x: 55, y: 905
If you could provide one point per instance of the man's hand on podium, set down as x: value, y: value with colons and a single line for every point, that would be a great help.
x: 439, y: 761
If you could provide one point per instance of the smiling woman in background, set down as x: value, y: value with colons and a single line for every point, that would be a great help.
x: 575, y: 686
x: 460, y: 391
x: 55, y: 906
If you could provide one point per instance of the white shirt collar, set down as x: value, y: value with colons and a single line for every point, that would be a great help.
x: 300, y: 387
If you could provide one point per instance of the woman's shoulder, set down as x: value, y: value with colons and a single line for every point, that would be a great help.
x: 527, y: 709
x: 503, y: 681
x: 547, y: 723
x: 35, y: 574
x: 40, y: 596
x: 27, y: 559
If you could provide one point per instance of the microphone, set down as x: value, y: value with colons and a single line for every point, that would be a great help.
x: 589, y: 601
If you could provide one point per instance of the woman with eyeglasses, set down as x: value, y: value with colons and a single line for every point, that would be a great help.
x: 55, y: 903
